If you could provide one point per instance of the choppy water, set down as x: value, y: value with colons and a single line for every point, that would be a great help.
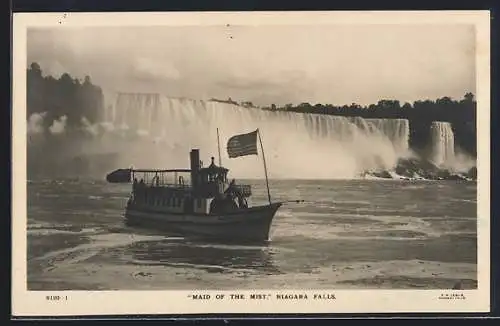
x: 347, y: 234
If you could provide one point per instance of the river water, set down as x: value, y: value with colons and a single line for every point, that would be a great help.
x: 388, y: 234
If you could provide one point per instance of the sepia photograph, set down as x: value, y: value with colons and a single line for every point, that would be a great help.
x: 291, y: 159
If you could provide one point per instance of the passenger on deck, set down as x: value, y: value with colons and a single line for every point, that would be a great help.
x: 223, y: 204
x: 229, y: 204
x: 141, y: 185
x: 242, y: 203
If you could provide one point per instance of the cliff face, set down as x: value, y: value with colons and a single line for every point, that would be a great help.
x: 58, y: 110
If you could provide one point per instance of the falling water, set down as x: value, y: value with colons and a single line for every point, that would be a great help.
x: 443, y: 144
x: 162, y: 130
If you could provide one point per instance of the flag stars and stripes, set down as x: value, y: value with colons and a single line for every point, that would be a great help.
x: 242, y: 145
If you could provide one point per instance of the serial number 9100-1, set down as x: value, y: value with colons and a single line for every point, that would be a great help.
x: 56, y: 297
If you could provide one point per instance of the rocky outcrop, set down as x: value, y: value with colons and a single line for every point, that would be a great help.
x: 415, y: 169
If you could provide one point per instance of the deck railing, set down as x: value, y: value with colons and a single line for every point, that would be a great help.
x: 245, y: 189
x: 211, y: 189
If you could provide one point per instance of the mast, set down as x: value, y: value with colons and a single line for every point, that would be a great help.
x: 265, y: 168
x: 218, y: 147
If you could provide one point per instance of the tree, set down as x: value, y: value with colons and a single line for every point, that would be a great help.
x: 63, y: 96
x: 35, y: 69
x: 406, y: 106
x: 469, y: 97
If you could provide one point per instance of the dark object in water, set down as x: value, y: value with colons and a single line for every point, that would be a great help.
x: 119, y: 176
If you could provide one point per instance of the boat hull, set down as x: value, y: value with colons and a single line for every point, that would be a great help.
x: 248, y: 225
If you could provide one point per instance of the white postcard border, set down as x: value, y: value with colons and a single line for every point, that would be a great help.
x: 34, y: 303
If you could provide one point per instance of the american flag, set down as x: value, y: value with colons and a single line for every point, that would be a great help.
x: 241, y: 145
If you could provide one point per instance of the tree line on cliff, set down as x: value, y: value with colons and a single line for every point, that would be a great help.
x: 66, y: 96
x: 76, y: 99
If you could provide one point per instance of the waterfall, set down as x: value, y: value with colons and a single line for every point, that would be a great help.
x: 160, y: 131
x: 443, y: 144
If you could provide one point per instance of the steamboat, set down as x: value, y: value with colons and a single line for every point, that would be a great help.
x: 199, y: 202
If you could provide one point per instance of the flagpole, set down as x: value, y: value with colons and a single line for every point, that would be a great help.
x: 218, y: 147
x: 265, y: 168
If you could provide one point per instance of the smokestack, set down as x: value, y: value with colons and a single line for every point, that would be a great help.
x: 195, y: 167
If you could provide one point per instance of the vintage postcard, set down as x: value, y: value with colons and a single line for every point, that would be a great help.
x: 250, y: 162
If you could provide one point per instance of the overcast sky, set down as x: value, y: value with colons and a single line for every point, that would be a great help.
x: 267, y: 64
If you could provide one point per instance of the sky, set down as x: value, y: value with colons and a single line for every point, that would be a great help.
x: 337, y: 64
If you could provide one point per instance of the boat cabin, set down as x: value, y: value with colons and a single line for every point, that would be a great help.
x: 198, y: 190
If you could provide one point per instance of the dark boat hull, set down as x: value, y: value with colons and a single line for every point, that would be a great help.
x: 248, y: 225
